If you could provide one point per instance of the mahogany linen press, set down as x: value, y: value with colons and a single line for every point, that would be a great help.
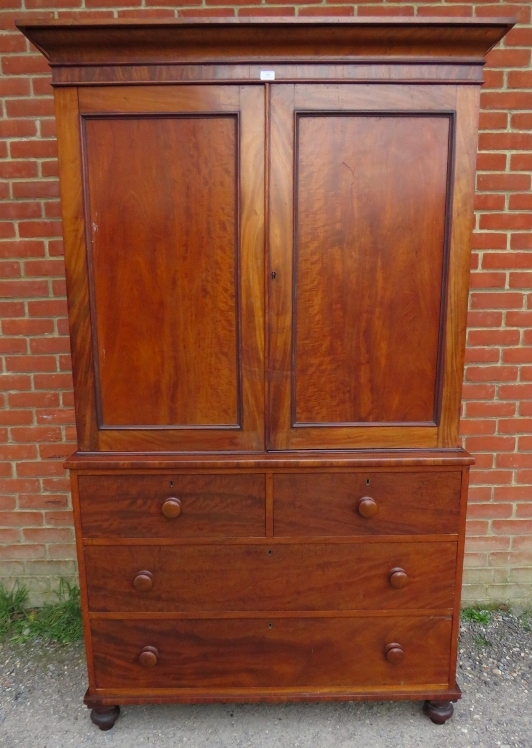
x: 267, y: 234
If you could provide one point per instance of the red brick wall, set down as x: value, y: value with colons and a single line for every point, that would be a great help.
x: 36, y: 416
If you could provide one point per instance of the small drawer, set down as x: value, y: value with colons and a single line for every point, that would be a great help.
x: 270, y: 652
x: 303, y: 577
x: 363, y: 503
x: 182, y: 506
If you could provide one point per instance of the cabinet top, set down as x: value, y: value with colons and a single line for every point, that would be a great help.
x: 216, y: 40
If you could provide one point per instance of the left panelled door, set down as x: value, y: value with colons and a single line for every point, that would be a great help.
x: 164, y: 253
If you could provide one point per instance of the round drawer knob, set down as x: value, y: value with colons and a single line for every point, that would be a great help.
x: 148, y: 657
x: 398, y: 578
x: 171, y: 508
x: 394, y: 653
x: 367, y: 507
x: 143, y: 581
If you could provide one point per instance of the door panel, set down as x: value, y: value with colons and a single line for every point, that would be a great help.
x: 360, y: 212
x: 174, y: 195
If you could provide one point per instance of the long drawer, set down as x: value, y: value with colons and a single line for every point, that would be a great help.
x: 157, y: 506
x: 279, y: 576
x: 274, y: 652
x: 366, y: 503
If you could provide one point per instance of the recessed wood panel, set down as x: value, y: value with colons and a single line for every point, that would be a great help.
x: 370, y: 216
x: 282, y: 652
x: 162, y: 204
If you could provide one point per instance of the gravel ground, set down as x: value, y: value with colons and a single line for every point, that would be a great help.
x: 41, y: 691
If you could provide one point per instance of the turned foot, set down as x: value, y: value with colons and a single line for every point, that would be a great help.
x: 105, y: 716
x: 438, y: 711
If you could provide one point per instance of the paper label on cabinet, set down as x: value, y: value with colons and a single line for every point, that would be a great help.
x: 267, y: 75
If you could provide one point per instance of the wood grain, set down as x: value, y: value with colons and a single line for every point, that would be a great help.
x: 326, y: 504
x: 211, y: 505
x: 331, y: 653
x: 283, y: 577
x: 369, y: 257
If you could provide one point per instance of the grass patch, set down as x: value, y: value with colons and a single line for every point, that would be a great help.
x: 481, y: 641
x: 477, y: 615
x: 59, y: 621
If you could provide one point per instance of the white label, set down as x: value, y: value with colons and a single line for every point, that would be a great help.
x: 267, y: 75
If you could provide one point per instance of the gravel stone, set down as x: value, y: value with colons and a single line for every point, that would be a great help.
x: 42, y: 688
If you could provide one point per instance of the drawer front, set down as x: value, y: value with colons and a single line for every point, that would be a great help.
x: 271, y: 652
x: 132, y: 506
x: 328, y: 504
x: 271, y: 577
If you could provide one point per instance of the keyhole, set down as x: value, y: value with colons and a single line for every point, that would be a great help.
x: 270, y: 625
x: 171, y: 483
x: 367, y: 481
x: 274, y: 275
x: 269, y: 553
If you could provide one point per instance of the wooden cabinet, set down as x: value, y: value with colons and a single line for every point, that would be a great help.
x: 267, y: 229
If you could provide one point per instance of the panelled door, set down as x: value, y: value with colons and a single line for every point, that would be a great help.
x: 367, y: 218
x: 168, y: 265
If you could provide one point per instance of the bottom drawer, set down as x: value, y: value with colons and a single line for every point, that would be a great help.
x: 278, y: 652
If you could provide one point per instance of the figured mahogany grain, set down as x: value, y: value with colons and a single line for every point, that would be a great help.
x: 315, y: 576
x: 163, y: 213
x: 251, y: 653
x: 327, y: 503
x: 211, y: 505
x: 370, y: 227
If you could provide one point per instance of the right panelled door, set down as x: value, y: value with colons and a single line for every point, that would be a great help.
x: 370, y: 211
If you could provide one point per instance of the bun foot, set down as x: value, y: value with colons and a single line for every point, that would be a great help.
x: 105, y: 716
x: 438, y: 711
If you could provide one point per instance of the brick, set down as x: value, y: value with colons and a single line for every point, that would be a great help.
x: 522, y: 121
x: 489, y: 240
x: 20, y: 519
x: 490, y: 477
x: 55, y: 485
x: 493, y: 79
x: 48, y: 308
x: 12, y: 417
x: 18, y: 451
x: 22, y: 551
x: 30, y: 107
x: 512, y: 527
x: 17, y: 210
x: 13, y: 345
x: 21, y: 248
x: 522, y: 221
x: 55, y: 451
x: 47, y: 535
x: 11, y: 535
x: 65, y: 415
x: 207, y: 12
x: 505, y: 141
x: 59, y: 519
x: 484, y: 319
x: 11, y: 309
x: 15, y: 382
x: 520, y: 202
x: 521, y: 241
x: 36, y: 434
x: 490, y: 443
x: 490, y: 410
x: 517, y: 355
x: 495, y: 337
x: 503, y: 182
x: 477, y: 427
x: 27, y: 326
x: 489, y: 543
x: 521, y: 161
x: 489, y: 202
x: 524, y: 476
x: 40, y: 188
x: 504, y: 100
x: 524, y: 543
x: 18, y: 169
x: 515, y: 391
x: 479, y: 494
x: 519, y: 37
x: 57, y: 550
x: 508, y: 58
x: 42, y: 501
x: 511, y: 493
x: 46, y: 268
x: 491, y: 161
x: 265, y: 11
x: 391, y: 10
x: 489, y: 511
x: 503, y: 300
x: 524, y: 511
x: 482, y: 356
x: 31, y: 363
x: 24, y: 64
x: 50, y: 345
x: 39, y: 469
x: 515, y: 426
x: 520, y: 280
x: 13, y: 128
x: 478, y: 391
x: 521, y: 11
x: 491, y: 373
x: 507, y: 260
x: 33, y: 148
x: 53, y: 381
x: 477, y: 527
x: 454, y: 10
x: 338, y: 10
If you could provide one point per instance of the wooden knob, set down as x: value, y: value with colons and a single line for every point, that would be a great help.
x: 143, y: 581
x: 171, y: 508
x: 148, y: 657
x: 367, y: 507
x: 394, y: 653
x: 398, y: 578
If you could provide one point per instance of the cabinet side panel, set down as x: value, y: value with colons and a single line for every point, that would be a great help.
x: 370, y: 228
x: 163, y: 213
